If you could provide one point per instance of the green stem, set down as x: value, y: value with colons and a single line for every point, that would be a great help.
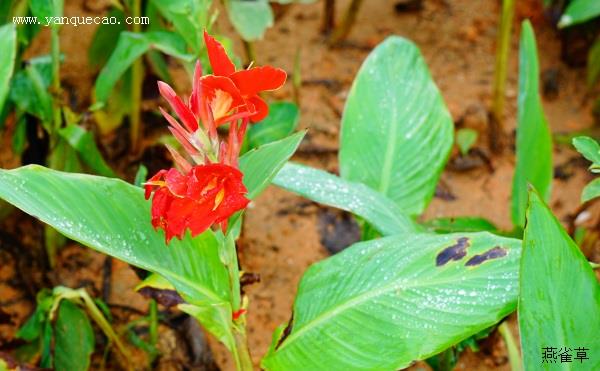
x: 511, y: 346
x: 250, y: 52
x: 503, y: 45
x: 342, y: 31
x: 241, y: 353
x: 137, y: 73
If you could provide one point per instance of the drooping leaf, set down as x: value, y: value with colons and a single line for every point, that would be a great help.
x: 559, y: 301
x: 590, y: 149
x: 282, y: 121
x: 113, y: 217
x: 83, y: 142
x: 579, y: 11
x: 591, y: 190
x: 534, y: 141
x: 396, y: 131
x: 169, y: 43
x: 328, y: 189
x: 381, y: 304
x: 8, y: 45
x: 250, y: 18
x: 460, y: 224
x: 262, y: 164
x: 73, y: 338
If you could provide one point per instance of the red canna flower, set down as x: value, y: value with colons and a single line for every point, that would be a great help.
x: 205, y: 195
x: 248, y: 83
x: 208, y: 190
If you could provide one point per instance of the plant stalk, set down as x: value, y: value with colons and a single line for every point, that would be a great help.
x: 136, y: 87
x: 342, y: 31
x: 511, y: 346
x: 250, y: 52
x: 241, y: 353
x: 499, y: 89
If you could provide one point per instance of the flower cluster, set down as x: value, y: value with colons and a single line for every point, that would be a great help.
x: 209, y: 190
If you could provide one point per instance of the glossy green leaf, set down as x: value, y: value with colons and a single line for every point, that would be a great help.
x: 250, y: 18
x: 396, y: 131
x: 113, y: 217
x: 129, y: 48
x: 460, y: 224
x: 465, y: 138
x: 328, y: 189
x: 591, y: 190
x: 29, y: 89
x: 8, y: 45
x: 559, y: 301
x: 579, y: 11
x: 281, y: 122
x: 590, y: 149
x: 593, y: 64
x: 73, y: 338
x: 534, y: 141
x: 83, y: 142
x: 262, y: 164
x: 381, y: 304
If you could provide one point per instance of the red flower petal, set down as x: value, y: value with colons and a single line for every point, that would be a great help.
x: 219, y: 61
x: 183, y: 112
x: 211, y: 84
x: 260, y: 107
x: 257, y: 79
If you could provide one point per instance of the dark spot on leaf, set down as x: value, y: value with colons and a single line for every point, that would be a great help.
x: 494, y: 253
x: 454, y: 252
x: 168, y: 298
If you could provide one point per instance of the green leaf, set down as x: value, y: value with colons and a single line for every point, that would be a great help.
x: 328, y: 189
x: 281, y: 122
x: 262, y: 164
x: 29, y: 89
x: 460, y: 224
x: 73, y: 338
x: 381, y: 304
x: 534, y: 141
x: 396, y: 131
x: 189, y: 17
x: 83, y: 142
x: 579, y: 11
x: 8, y: 45
x: 112, y: 216
x: 105, y: 39
x: 250, y: 18
x: 19, y: 138
x: 593, y: 64
x: 140, y: 175
x: 130, y: 47
x: 591, y: 191
x: 465, y: 138
x: 590, y: 149
x: 559, y: 301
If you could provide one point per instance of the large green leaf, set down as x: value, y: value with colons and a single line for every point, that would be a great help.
x: 113, y: 217
x: 29, y: 89
x: 250, y: 18
x: 106, y: 38
x: 579, y: 11
x: 590, y: 149
x: 8, y: 45
x: 73, y: 338
x: 460, y: 224
x: 129, y: 48
x: 328, y: 189
x: 189, y: 17
x: 262, y: 164
x: 396, y: 130
x: 534, y: 141
x: 282, y: 121
x: 559, y: 301
x: 381, y: 304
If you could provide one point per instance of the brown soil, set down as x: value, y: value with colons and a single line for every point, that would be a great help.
x: 282, y: 232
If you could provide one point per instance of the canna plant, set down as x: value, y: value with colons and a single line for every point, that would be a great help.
x: 408, y: 291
